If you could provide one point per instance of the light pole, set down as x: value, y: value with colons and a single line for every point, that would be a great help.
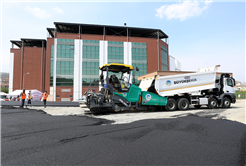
x: 24, y: 78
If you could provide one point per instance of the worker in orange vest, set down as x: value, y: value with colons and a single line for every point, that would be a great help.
x: 23, y: 98
x: 44, y: 95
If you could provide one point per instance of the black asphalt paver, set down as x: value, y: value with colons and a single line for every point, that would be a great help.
x: 32, y: 137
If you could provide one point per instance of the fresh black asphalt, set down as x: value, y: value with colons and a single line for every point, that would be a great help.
x: 31, y: 137
x: 40, y: 103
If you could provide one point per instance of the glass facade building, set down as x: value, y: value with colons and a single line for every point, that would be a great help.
x: 164, y: 59
x: 65, y: 62
x: 74, y: 52
x: 115, y: 54
x: 90, y: 62
x: 139, y: 59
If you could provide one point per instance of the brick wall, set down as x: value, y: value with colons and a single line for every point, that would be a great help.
x: 32, y: 63
x: 17, y: 68
x: 50, y: 42
x: 64, y: 94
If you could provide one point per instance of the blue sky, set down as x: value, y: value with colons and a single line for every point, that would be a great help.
x: 201, y: 34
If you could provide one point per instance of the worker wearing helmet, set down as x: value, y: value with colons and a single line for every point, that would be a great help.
x: 44, y: 95
x: 23, y: 98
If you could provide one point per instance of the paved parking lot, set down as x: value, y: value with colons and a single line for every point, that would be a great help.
x: 72, y: 136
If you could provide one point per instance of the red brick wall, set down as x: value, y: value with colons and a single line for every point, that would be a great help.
x: 67, y: 36
x: 17, y: 68
x: 32, y: 62
x: 67, y: 94
x: 85, y: 89
x: 50, y: 42
x: 64, y: 94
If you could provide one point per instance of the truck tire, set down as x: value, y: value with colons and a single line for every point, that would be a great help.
x: 183, y: 104
x: 212, y: 103
x: 226, y: 103
x: 171, y: 105
x: 197, y: 106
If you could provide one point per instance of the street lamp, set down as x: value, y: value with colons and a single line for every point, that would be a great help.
x: 24, y: 78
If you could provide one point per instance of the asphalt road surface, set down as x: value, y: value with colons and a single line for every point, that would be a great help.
x: 40, y: 103
x: 32, y: 137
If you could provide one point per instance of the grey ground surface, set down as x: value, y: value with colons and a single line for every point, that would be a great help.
x: 32, y: 137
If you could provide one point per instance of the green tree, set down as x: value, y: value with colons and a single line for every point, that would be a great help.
x: 5, y: 90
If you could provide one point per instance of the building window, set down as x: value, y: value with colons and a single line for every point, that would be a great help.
x: 115, y: 54
x: 70, y: 95
x: 139, y: 59
x: 65, y: 62
x: 90, y: 62
x: 164, y: 59
x: 91, y: 41
x: 57, y: 95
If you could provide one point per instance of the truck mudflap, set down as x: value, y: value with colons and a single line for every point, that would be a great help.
x: 233, y: 98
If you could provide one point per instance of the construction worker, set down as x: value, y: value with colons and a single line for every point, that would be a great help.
x: 29, y: 97
x: 23, y: 98
x: 44, y: 95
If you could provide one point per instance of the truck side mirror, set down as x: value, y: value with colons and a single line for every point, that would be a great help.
x: 234, y: 82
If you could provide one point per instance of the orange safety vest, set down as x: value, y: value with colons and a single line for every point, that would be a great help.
x: 45, y: 96
x: 23, y: 95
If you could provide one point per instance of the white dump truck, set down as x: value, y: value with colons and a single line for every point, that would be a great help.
x: 205, y: 87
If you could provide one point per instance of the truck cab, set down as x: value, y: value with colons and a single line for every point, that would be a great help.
x: 229, y: 85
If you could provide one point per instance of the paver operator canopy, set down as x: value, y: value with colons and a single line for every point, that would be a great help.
x: 121, y: 84
x: 116, y: 67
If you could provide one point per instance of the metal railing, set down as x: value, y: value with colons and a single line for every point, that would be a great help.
x: 241, y: 95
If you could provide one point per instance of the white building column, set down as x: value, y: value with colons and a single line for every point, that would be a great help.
x: 80, y: 68
x: 11, y: 72
x: 128, y: 56
x: 54, y: 70
x: 77, y: 79
x: 103, y: 56
x: 103, y: 53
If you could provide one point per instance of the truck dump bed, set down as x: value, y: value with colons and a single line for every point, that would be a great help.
x: 182, y: 83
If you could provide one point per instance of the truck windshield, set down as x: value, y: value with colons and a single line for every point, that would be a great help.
x: 229, y: 82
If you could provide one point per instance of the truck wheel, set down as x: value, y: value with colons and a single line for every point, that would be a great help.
x: 197, y: 106
x: 226, y: 103
x: 212, y: 103
x: 183, y: 104
x: 171, y: 105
